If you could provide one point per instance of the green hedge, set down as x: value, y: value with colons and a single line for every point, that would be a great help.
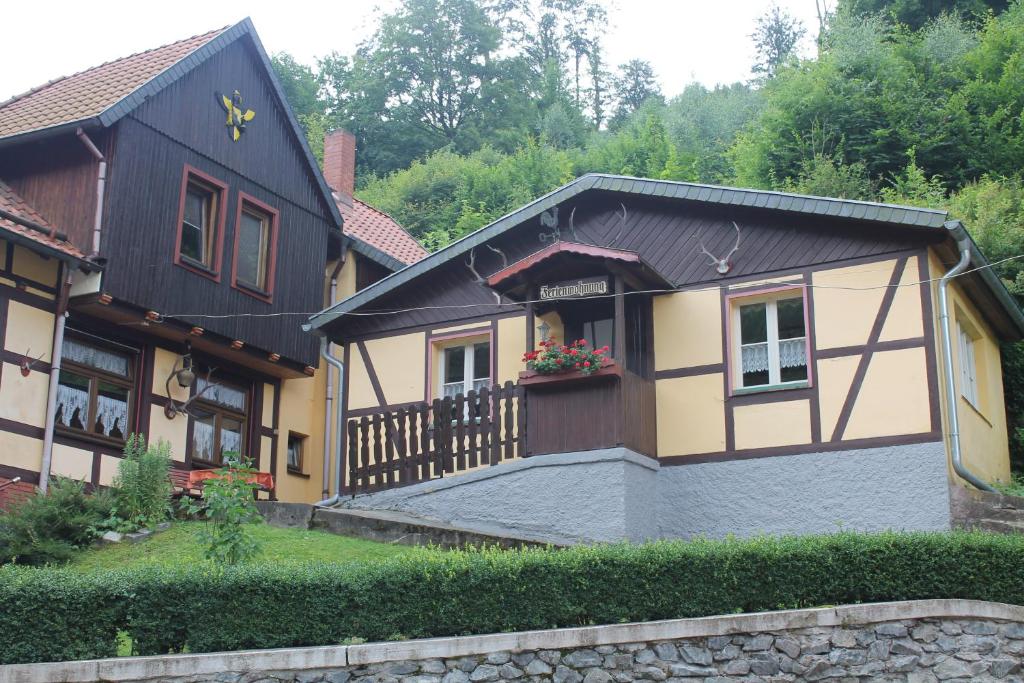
x: 60, y: 614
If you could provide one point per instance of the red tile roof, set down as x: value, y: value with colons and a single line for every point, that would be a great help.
x: 380, y: 230
x: 89, y: 93
x: 12, y: 204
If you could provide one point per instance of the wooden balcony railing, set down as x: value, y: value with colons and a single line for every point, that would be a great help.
x: 429, y: 441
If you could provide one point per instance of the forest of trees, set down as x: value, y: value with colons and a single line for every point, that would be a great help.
x: 467, y: 109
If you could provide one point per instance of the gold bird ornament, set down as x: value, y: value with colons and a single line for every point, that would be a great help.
x: 236, y: 116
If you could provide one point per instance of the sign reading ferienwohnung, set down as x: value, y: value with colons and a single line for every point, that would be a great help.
x: 574, y: 288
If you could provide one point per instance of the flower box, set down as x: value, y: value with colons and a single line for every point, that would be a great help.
x: 532, y: 378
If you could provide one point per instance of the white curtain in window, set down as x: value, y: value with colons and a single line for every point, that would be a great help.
x: 452, y: 388
x: 112, y: 413
x: 69, y: 400
x: 792, y: 352
x: 755, y: 357
x: 202, y: 440
x: 230, y: 441
x: 100, y: 359
x: 222, y: 394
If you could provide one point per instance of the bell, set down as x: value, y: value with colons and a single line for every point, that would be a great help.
x: 186, y: 377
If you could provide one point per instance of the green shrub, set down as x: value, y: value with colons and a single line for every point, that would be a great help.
x: 142, y: 485
x: 48, y: 528
x: 49, y: 615
x: 443, y: 594
x: 229, y: 507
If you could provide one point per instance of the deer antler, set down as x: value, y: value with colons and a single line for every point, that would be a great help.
x: 172, y: 408
x: 482, y: 281
x: 499, y: 252
x: 723, y: 265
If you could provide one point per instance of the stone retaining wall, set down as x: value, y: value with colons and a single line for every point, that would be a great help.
x: 932, y: 640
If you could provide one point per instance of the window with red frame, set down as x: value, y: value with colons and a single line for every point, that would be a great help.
x: 254, y: 251
x: 199, y: 224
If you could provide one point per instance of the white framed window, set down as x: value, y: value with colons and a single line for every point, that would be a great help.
x: 769, y: 339
x: 968, y: 365
x: 465, y: 367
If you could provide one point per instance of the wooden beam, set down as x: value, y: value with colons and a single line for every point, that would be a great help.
x: 619, y: 352
x: 531, y: 342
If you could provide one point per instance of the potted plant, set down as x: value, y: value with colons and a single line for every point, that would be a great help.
x: 552, y: 358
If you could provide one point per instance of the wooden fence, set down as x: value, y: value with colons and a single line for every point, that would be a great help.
x: 429, y: 441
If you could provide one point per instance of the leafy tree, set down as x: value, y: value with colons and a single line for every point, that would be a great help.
x: 775, y: 38
x: 583, y: 24
x: 634, y: 85
x: 299, y: 84
x: 825, y: 176
x: 917, y: 13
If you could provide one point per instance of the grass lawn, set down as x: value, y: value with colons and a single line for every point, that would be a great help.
x: 179, y: 545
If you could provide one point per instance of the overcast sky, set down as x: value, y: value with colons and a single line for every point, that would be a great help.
x: 685, y: 40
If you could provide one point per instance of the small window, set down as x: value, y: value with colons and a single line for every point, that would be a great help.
x: 968, y: 365
x: 296, y: 448
x: 255, y: 244
x: 771, y: 345
x: 464, y: 368
x: 94, y: 390
x: 200, y: 223
x: 218, y: 422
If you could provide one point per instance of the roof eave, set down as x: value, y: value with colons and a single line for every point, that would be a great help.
x: 984, y: 270
x: 91, y: 123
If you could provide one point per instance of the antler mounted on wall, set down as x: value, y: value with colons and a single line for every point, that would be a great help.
x: 723, y: 265
x: 481, y: 280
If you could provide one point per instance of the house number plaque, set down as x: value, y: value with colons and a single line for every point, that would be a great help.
x: 572, y: 289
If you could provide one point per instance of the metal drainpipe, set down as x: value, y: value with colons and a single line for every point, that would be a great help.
x: 330, y: 385
x: 947, y: 352
x: 51, y: 395
x: 101, y: 183
x: 324, y: 353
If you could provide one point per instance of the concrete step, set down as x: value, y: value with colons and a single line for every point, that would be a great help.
x: 388, y: 526
x: 385, y: 526
x: 999, y: 526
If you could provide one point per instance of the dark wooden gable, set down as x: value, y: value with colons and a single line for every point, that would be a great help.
x: 667, y: 234
x: 184, y: 124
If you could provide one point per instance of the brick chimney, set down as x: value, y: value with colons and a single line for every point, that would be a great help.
x: 340, y: 164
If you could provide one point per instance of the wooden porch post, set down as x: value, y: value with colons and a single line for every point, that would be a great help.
x: 619, y: 352
x: 530, y: 330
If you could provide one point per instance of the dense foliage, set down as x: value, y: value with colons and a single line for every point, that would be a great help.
x: 909, y: 101
x: 48, y: 528
x: 142, y: 487
x: 439, y: 594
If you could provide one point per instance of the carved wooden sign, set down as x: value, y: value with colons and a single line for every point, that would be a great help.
x: 573, y: 289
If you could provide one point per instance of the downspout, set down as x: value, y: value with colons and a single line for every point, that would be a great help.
x: 334, y: 362
x: 330, y: 383
x: 51, y: 395
x: 947, y: 353
x: 101, y: 184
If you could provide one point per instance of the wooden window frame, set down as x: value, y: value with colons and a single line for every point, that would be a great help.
x: 967, y: 360
x: 220, y: 411
x: 95, y: 375
x: 733, y: 301
x: 264, y: 295
x: 221, y: 190
x: 303, y: 440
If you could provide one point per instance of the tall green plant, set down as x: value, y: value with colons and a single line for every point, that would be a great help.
x: 143, y: 485
x: 230, y: 509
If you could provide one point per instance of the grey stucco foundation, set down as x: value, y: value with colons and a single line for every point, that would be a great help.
x: 615, y: 494
x: 895, y: 487
x: 562, y: 498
